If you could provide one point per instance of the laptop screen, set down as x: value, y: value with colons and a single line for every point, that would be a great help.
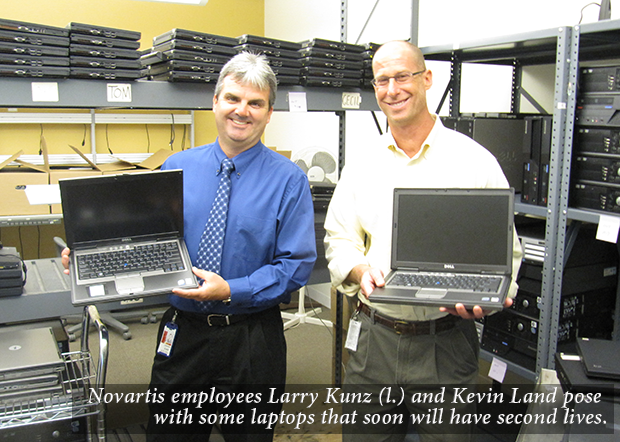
x: 469, y: 230
x: 111, y: 207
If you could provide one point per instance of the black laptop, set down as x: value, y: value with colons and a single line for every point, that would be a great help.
x: 125, y: 233
x: 600, y: 358
x: 450, y: 246
x: 573, y: 377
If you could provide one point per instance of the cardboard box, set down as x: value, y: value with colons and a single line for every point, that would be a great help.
x: 13, y: 183
x: 61, y: 174
x: 286, y: 153
x: 151, y: 163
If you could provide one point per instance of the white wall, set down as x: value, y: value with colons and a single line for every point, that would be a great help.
x: 447, y: 22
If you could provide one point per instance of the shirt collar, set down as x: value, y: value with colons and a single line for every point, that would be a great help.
x: 241, y: 161
x: 426, y: 145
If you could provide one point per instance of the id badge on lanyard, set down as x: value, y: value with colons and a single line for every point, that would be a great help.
x: 167, y: 337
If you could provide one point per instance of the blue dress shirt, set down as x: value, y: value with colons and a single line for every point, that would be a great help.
x: 269, y: 248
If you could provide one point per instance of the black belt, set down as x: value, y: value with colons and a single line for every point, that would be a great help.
x: 214, y: 319
x: 412, y: 327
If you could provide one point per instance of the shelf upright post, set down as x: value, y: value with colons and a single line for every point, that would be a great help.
x: 192, y: 129
x: 456, y: 68
x: 93, y: 142
x: 415, y: 14
x: 557, y: 206
x: 517, y: 80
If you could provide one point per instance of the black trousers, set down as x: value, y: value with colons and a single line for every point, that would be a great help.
x: 218, y: 375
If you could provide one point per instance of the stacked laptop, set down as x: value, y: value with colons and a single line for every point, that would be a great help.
x: 12, y: 273
x: 368, y: 55
x: 30, y: 367
x: 283, y: 55
x: 102, y: 53
x: 331, y: 63
x: 594, y: 368
x: 32, y: 50
x: 593, y: 373
x: 184, y: 55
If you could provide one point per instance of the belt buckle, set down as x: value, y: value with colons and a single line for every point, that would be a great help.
x: 226, y: 317
x: 404, y: 323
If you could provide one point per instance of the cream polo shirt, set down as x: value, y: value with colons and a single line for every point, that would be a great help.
x: 358, y: 221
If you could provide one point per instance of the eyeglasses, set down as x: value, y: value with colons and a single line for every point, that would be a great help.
x: 400, y: 78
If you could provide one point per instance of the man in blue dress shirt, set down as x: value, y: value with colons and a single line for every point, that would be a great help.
x: 236, y: 342
x: 228, y: 338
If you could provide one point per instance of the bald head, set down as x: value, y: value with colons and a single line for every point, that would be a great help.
x: 399, y: 49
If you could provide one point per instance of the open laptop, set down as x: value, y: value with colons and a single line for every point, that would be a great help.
x: 125, y: 233
x: 444, y: 238
x: 599, y: 357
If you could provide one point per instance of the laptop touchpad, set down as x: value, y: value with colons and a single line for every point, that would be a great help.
x: 431, y: 293
x: 126, y: 285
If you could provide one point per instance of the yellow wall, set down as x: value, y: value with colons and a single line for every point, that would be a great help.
x: 230, y: 18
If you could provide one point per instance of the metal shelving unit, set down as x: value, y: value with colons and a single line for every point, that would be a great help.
x: 564, y: 47
x: 91, y: 94
x: 82, y: 372
x: 151, y: 95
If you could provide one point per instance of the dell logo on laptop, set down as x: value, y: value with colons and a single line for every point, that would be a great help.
x: 448, y: 266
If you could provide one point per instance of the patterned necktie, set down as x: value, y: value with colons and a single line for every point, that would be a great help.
x: 212, y: 241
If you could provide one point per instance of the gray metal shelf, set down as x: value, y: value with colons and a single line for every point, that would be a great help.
x: 156, y: 95
x: 565, y: 47
x: 552, y: 46
x: 93, y: 94
x: 531, y: 48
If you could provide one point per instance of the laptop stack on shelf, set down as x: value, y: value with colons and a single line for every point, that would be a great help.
x: 593, y: 370
x: 30, y: 366
x: 331, y: 64
x: 183, y: 55
x: 103, y: 53
x: 12, y: 273
x: 32, y: 50
x: 368, y: 55
x: 283, y: 55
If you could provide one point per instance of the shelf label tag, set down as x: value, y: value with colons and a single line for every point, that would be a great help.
x: 497, y: 371
x: 297, y: 102
x: 44, y: 92
x: 351, y: 100
x: 119, y: 92
x: 608, y: 227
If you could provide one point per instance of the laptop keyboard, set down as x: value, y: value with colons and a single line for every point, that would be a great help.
x: 476, y: 283
x: 164, y: 256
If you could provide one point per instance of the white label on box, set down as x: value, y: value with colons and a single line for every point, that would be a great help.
x: 119, y: 93
x: 43, y: 194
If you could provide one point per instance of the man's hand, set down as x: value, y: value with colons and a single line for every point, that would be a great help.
x: 367, y: 277
x: 476, y: 313
x: 214, y: 288
x: 64, y: 258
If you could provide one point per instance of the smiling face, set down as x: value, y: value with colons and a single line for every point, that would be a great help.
x: 241, y: 115
x: 402, y: 103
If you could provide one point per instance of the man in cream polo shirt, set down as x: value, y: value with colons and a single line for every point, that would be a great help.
x: 418, y: 349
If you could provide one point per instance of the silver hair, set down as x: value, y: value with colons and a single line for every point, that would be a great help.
x: 248, y: 68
